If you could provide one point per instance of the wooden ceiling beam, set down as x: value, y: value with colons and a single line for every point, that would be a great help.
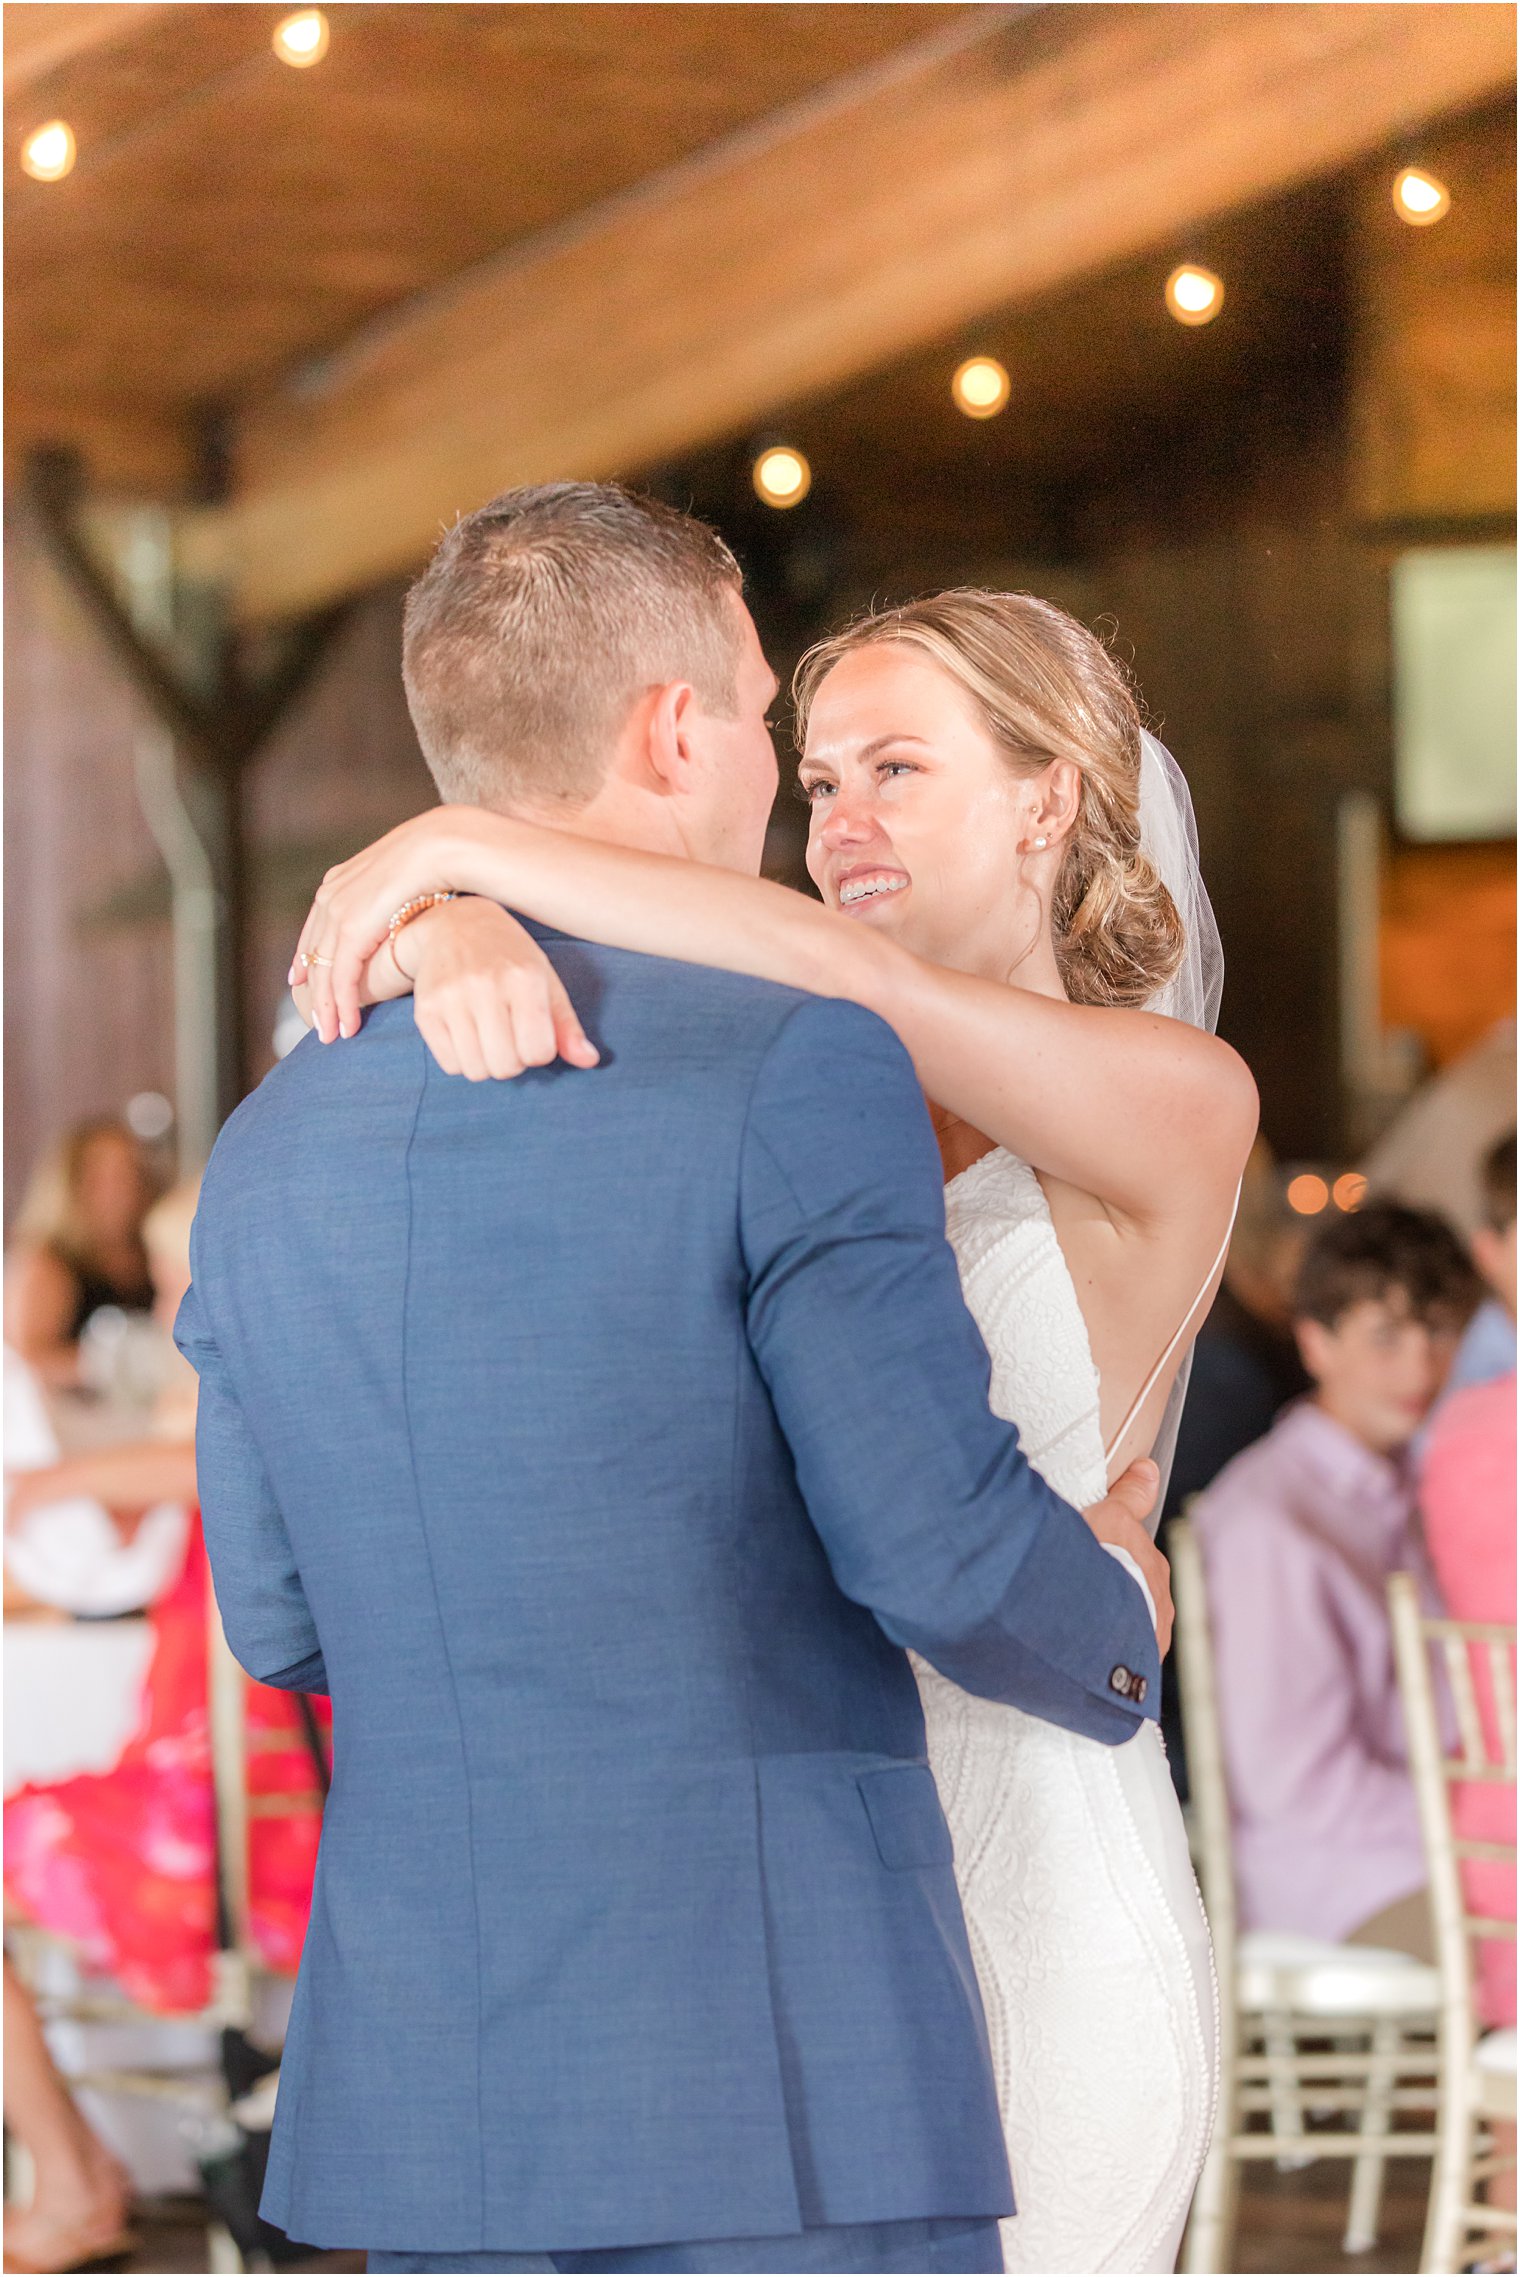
x: 789, y: 264
x: 130, y: 451
x: 41, y: 38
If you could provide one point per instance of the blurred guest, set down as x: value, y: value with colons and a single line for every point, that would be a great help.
x: 1493, y: 1243
x: 104, y: 1532
x: 1488, y: 1349
x: 1468, y: 1494
x: 77, y: 1246
x: 123, y: 1863
x: 1431, y: 1156
x: 1299, y: 1535
x: 80, y: 2194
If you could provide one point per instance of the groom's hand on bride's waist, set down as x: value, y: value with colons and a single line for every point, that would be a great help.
x: 1119, y: 1522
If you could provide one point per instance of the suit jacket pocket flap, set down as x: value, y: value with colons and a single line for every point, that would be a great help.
x: 903, y: 1806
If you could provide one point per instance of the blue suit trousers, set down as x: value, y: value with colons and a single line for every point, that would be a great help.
x: 854, y: 2249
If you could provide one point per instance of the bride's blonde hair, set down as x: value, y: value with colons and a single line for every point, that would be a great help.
x: 1046, y: 688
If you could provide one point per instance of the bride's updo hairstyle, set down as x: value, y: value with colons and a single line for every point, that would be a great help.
x: 1045, y: 688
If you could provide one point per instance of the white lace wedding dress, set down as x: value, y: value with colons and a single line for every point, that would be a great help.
x: 1086, y: 1925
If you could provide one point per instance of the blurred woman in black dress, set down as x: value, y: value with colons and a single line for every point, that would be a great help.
x: 77, y: 1246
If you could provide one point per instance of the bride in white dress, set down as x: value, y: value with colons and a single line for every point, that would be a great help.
x: 1010, y: 879
x: 1085, y: 1922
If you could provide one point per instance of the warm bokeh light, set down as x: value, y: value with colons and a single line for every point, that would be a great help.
x: 981, y: 387
x: 301, y: 39
x: 1194, y: 295
x: 49, y: 153
x: 1419, y: 198
x: 1307, y: 1194
x: 782, y: 476
x: 1349, y: 1190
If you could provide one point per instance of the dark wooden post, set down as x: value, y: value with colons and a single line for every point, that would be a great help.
x: 219, y: 725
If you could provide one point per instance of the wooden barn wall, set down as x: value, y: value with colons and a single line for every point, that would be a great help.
x: 87, y: 1023
x: 1256, y: 626
x: 88, y: 1016
x: 341, y: 769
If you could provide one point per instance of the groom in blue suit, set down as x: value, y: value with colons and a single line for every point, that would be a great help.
x: 599, y: 1441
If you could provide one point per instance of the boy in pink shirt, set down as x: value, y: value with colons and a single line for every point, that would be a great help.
x: 1299, y: 1535
x: 1468, y: 1493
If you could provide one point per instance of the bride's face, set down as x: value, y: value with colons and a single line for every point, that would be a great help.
x: 919, y: 826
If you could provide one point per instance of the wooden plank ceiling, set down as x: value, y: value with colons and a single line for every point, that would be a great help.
x: 40, y: 40
x: 229, y: 217
x: 482, y: 244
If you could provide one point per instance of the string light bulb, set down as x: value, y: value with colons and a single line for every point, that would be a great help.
x: 1194, y: 295
x: 48, y: 153
x: 1419, y: 198
x: 981, y: 387
x: 1308, y: 1194
x: 301, y: 40
x: 781, y: 476
x: 1349, y: 1190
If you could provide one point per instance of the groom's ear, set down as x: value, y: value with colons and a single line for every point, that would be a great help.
x: 672, y: 713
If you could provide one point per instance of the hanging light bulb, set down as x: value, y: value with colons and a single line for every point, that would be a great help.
x: 1419, y: 198
x: 981, y: 387
x: 1194, y: 295
x: 301, y: 40
x: 48, y: 153
x: 781, y: 476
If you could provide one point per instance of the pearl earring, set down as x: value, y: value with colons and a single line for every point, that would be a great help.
x: 1039, y: 845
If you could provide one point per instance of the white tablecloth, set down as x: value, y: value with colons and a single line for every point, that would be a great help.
x: 73, y: 1694
x: 70, y: 1554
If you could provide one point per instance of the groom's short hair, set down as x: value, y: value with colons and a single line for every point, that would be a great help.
x: 541, y: 619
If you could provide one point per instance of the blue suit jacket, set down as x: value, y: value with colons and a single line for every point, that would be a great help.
x: 598, y: 1441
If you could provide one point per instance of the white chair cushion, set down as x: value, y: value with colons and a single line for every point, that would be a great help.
x: 1311, y: 1976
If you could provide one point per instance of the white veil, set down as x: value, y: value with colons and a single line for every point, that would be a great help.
x: 1169, y: 837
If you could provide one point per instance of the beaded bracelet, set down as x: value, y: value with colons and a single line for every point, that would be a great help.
x: 410, y: 909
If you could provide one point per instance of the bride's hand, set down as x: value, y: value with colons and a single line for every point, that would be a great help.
x: 350, y: 916
x: 1119, y: 1522
x: 487, y: 1000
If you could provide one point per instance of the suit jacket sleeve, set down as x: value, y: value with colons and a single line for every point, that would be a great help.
x: 267, y: 1620
x: 927, y: 1507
